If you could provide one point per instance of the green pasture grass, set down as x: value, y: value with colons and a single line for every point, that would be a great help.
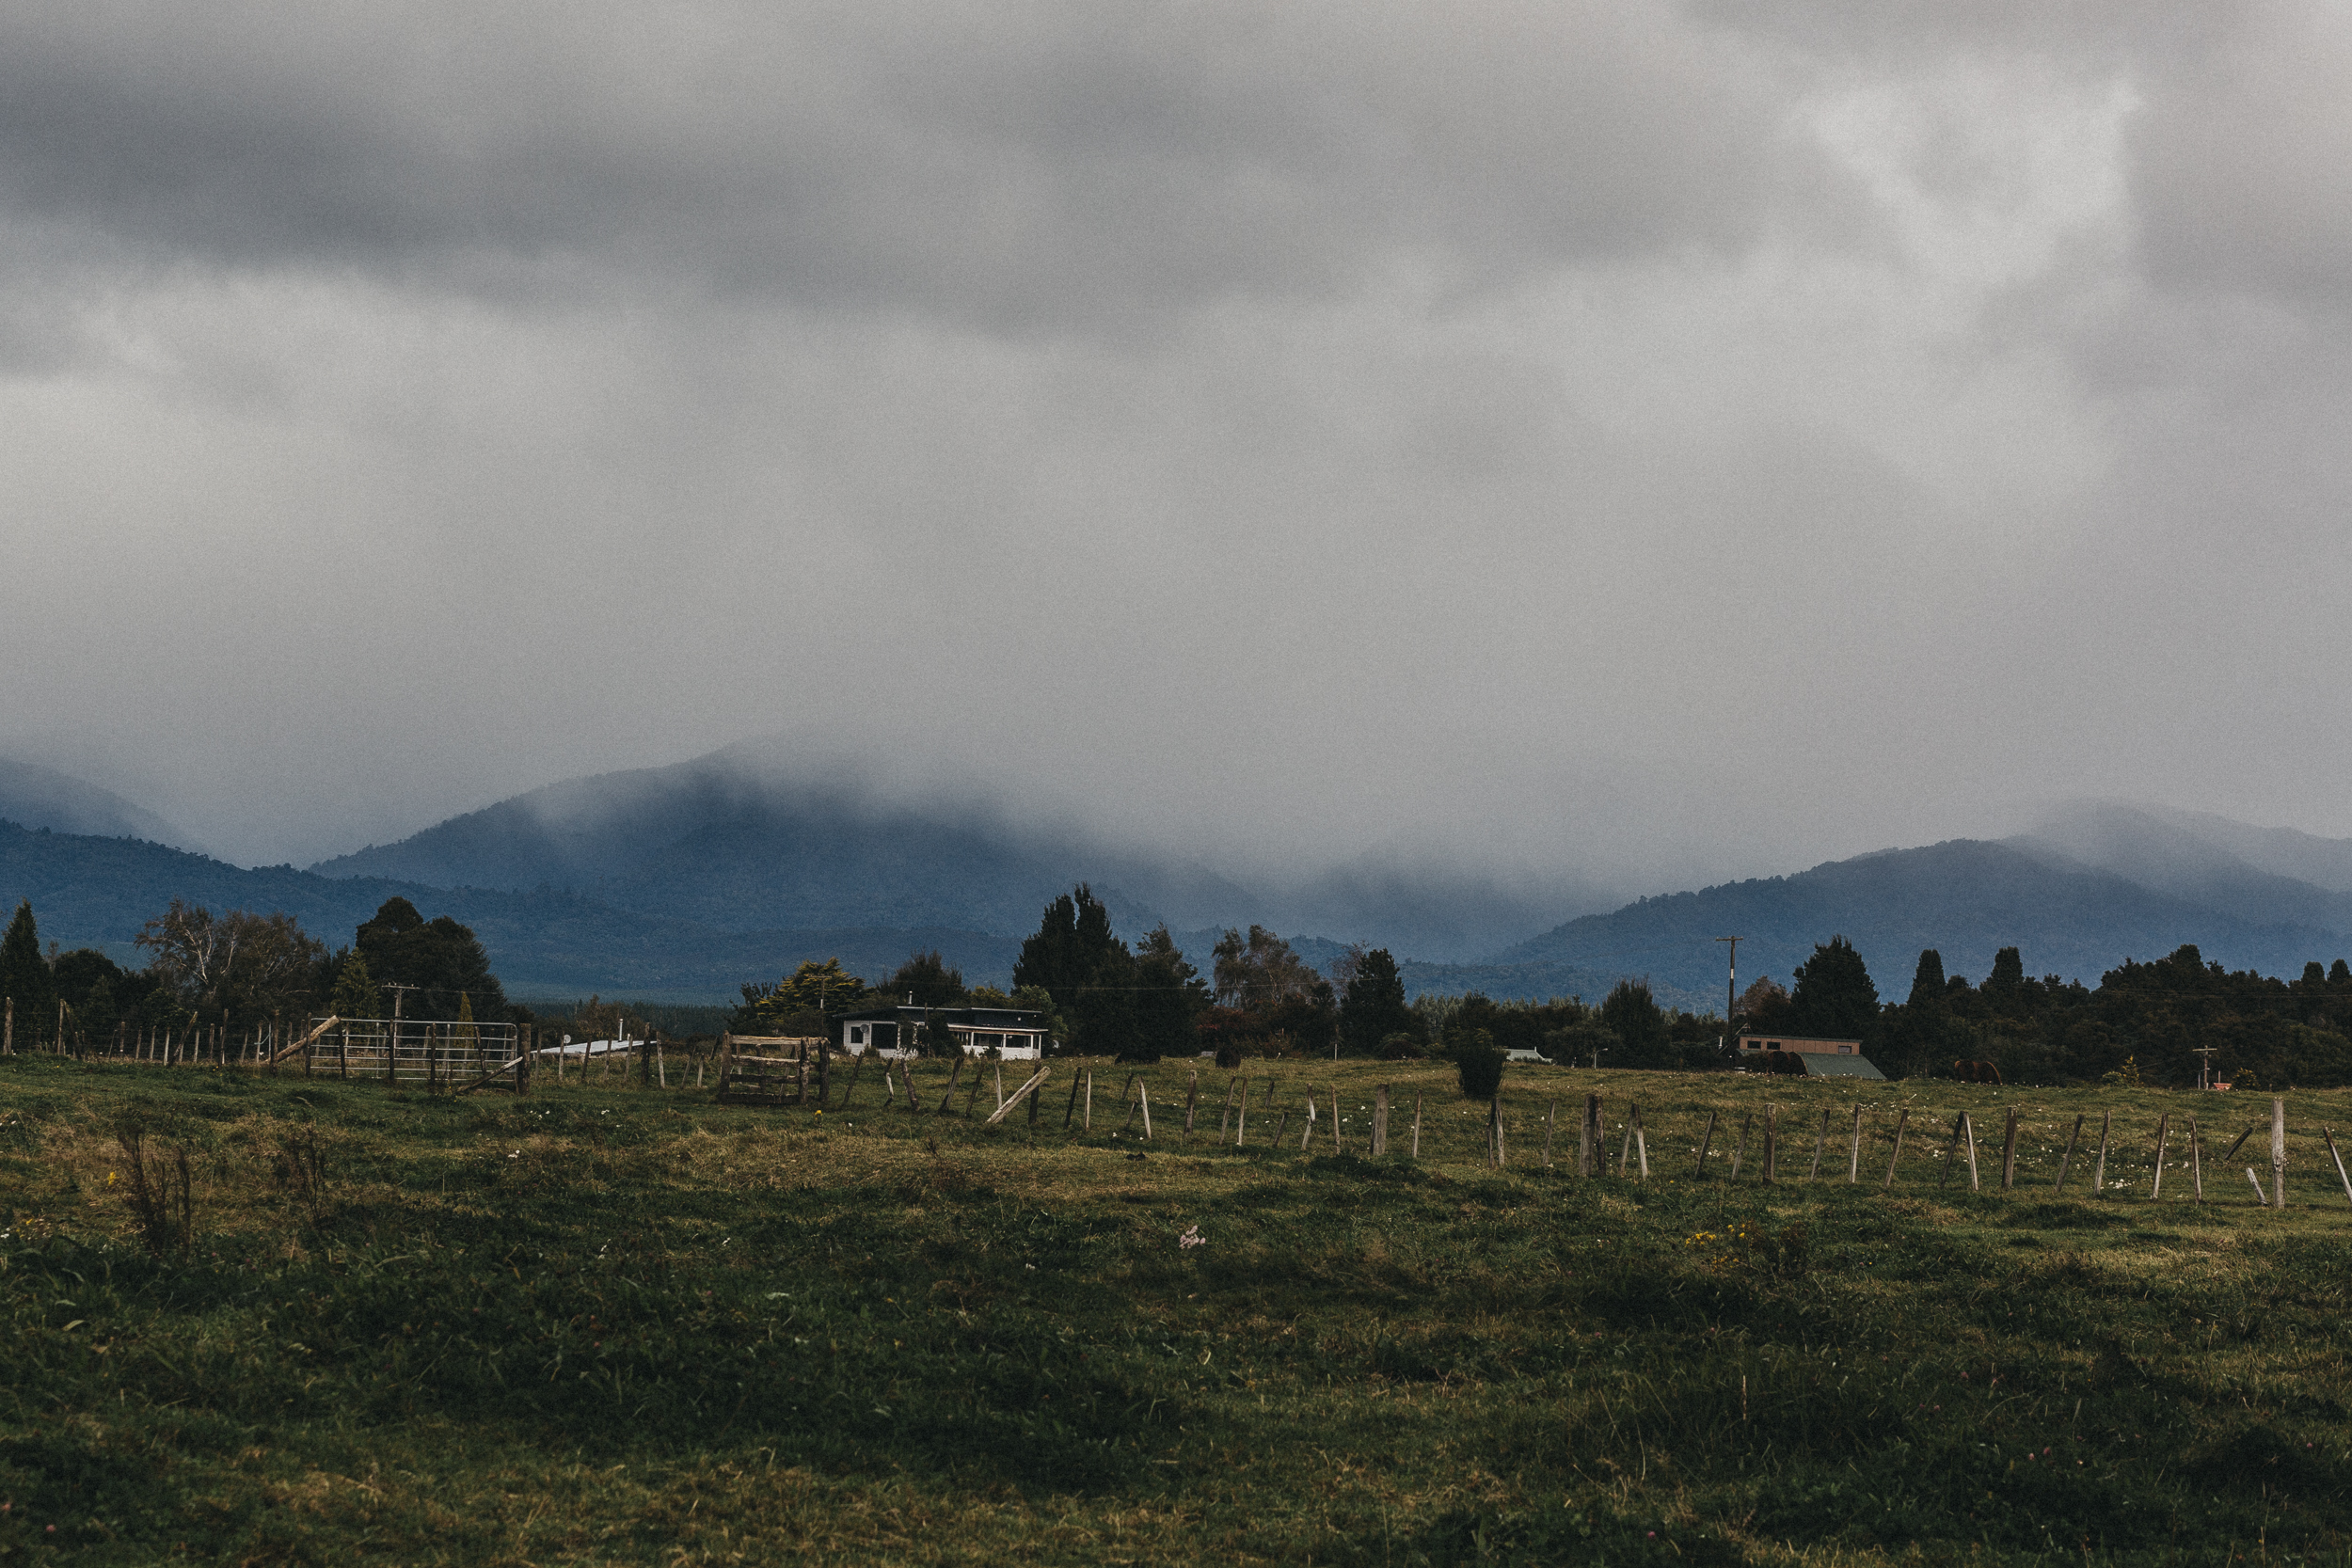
x: 605, y: 1324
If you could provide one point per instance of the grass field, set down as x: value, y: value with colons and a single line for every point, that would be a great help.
x: 609, y: 1325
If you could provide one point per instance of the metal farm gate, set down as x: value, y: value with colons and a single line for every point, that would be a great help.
x: 450, y: 1053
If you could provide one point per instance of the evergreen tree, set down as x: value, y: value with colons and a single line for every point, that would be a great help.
x: 1834, y: 998
x: 355, y: 995
x: 23, y: 978
x: 1374, y: 1006
x: 1927, y: 981
x: 442, y: 958
x: 1072, y: 942
x: 1168, y: 1000
x: 922, y: 981
x: 2008, y: 978
x: 1631, y: 1014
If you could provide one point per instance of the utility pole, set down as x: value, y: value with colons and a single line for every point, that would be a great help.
x: 1731, y: 990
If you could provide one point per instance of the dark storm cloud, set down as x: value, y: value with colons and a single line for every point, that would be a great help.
x: 1031, y: 168
x: 1610, y: 445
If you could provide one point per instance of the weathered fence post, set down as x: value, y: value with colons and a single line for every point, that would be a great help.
x: 2008, y: 1152
x: 1589, y: 1157
x: 1069, y: 1112
x: 2329, y: 1135
x: 1086, y: 1123
x: 1771, y: 1144
x: 1380, y: 1121
x: 1820, y: 1142
x: 2196, y: 1161
x: 1416, y: 1124
x: 2261, y: 1199
x: 2164, y: 1128
x: 1241, y: 1114
x: 1739, y: 1149
x: 1335, y: 1117
x: 1550, y: 1112
x: 2099, y: 1167
x: 955, y: 1075
x: 1494, y: 1132
x: 1968, y: 1126
x: 1854, y: 1155
x: 1192, y: 1099
x: 1707, y: 1141
x: 2068, y: 1158
x: 1225, y: 1116
x: 1640, y: 1145
x: 2277, y: 1153
x: 1902, y: 1122
x: 1625, y: 1148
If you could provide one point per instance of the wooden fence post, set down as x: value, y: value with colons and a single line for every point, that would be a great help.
x: 2164, y: 1128
x: 1126, y: 1090
x: 1739, y: 1149
x: 2099, y: 1167
x: 2068, y: 1158
x: 1416, y: 1124
x: 1706, y: 1142
x: 1192, y: 1099
x: 1143, y: 1093
x: 1854, y: 1154
x: 1902, y: 1122
x: 1069, y: 1112
x: 1820, y: 1142
x: 1589, y: 1157
x: 2277, y: 1153
x: 1771, y: 1142
x: 1024, y: 1092
x: 2008, y: 1152
x: 2329, y: 1135
x: 1550, y: 1111
x: 2196, y: 1161
x: 848, y: 1090
x: 1968, y: 1127
x: 1335, y: 1117
x: 1241, y: 1114
x: 1225, y: 1116
x: 2261, y: 1199
x: 1494, y: 1134
x: 1088, y: 1124
x: 1380, y: 1121
x: 955, y: 1075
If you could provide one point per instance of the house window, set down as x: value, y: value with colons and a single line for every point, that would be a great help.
x: 1845, y: 1051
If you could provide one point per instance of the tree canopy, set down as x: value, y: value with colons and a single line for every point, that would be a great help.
x: 1375, y: 1006
x: 441, y: 958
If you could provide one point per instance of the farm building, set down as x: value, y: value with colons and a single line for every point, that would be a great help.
x: 1822, y: 1059
x: 1017, y: 1034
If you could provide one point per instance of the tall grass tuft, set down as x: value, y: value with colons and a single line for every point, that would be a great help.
x: 163, y: 1194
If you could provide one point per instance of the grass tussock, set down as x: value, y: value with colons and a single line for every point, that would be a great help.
x: 605, y: 1324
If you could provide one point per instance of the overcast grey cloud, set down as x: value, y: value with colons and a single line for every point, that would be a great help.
x: 1628, y: 445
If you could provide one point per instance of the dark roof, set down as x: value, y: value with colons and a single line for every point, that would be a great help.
x: 1824, y: 1064
x: 970, y: 1017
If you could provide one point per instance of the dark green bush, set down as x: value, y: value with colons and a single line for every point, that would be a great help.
x: 1479, y: 1061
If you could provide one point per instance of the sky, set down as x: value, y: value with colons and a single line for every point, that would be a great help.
x: 1633, y: 444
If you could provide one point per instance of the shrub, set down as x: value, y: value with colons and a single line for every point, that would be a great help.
x: 1401, y: 1047
x: 162, y: 1194
x: 1478, y: 1060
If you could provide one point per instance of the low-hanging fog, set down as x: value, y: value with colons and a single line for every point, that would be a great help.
x: 1625, y: 446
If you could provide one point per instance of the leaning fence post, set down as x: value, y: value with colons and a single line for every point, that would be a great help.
x: 2099, y: 1170
x: 1416, y: 1124
x: 1192, y: 1099
x: 1902, y: 1122
x: 2196, y: 1161
x: 2163, y: 1129
x: 2068, y: 1158
x: 955, y: 1076
x: 1335, y: 1117
x: 1854, y: 1154
x: 1069, y: 1112
x: 1224, y: 1117
x: 1088, y: 1125
x: 1550, y: 1111
x: 1968, y: 1125
x: 1124, y: 1090
x: 1771, y: 1144
x: 2277, y: 1153
x: 1707, y: 1141
x: 1241, y: 1115
x: 2008, y: 1152
x: 2261, y: 1199
x: 2329, y: 1135
x: 1625, y: 1148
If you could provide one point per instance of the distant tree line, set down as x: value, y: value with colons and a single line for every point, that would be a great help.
x: 238, y: 968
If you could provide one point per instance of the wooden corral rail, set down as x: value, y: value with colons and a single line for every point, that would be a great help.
x: 754, y: 1077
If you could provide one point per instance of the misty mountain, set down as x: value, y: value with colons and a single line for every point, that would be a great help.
x: 35, y: 797
x: 728, y: 842
x: 1964, y: 897
x: 2208, y: 860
